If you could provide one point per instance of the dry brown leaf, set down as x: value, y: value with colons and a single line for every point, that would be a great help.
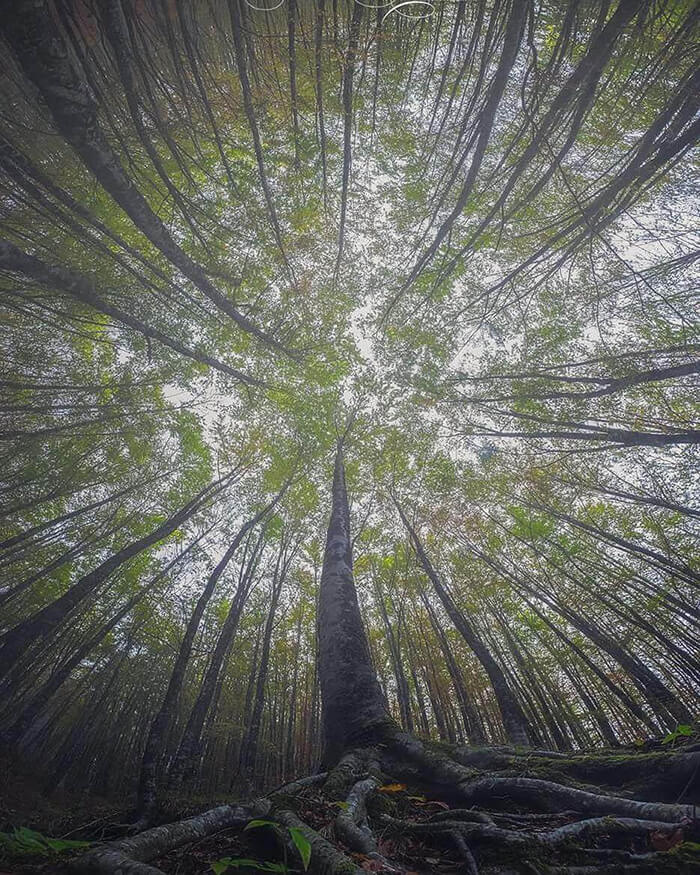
x: 663, y: 841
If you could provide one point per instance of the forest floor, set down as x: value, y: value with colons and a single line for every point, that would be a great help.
x: 89, y: 818
x: 36, y: 832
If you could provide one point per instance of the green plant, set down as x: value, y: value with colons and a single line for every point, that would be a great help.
x: 219, y: 866
x: 301, y: 843
x: 683, y: 730
x: 23, y: 841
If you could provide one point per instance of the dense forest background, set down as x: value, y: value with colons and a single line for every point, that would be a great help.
x: 459, y: 236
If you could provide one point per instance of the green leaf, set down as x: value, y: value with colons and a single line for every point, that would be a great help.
x: 23, y: 841
x: 302, y: 844
x: 683, y: 730
x: 254, y: 824
x: 59, y: 845
x: 220, y: 866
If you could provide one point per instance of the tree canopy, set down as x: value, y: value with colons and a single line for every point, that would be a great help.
x: 458, y: 237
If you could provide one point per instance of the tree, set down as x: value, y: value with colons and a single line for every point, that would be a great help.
x: 458, y: 234
x: 363, y: 743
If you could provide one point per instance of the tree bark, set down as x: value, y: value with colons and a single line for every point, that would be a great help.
x: 41, y: 624
x: 514, y: 720
x: 353, y: 703
x: 147, y: 791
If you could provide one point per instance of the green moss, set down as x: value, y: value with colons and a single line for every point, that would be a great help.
x: 443, y: 747
x: 687, y: 849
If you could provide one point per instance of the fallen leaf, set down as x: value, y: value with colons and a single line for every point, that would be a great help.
x: 663, y: 841
x: 387, y: 847
x: 392, y: 788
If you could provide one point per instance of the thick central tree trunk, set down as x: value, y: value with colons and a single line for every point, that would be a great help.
x: 354, y: 707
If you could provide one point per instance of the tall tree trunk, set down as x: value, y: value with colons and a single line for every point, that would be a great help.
x: 189, y: 748
x: 353, y: 703
x: 514, y: 720
x: 347, y: 95
x: 250, y: 745
x: 41, y: 624
x: 290, y: 752
x: 46, y: 61
x: 147, y: 792
x: 470, y: 716
x: 393, y: 638
x: 81, y: 287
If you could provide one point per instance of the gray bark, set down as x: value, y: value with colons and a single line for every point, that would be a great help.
x: 353, y: 703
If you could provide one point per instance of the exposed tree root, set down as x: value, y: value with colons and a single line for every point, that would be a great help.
x: 464, y: 850
x: 660, y: 773
x: 128, y: 856
x: 549, y: 794
x: 491, y: 832
x: 350, y: 767
x: 351, y: 823
x: 325, y: 857
x: 352, y: 826
x: 467, y: 784
x: 505, y: 837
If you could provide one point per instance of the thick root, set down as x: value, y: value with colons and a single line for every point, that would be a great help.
x: 351, y: 825
x: 128, y: 856
x: 480, y: 838
x: 420, y: 762
x: 349, y: 769
x: 539, y: 793
x: 552, y: 839
x: 465, y: 853
x: 325, y: 858
x: 663, y: 774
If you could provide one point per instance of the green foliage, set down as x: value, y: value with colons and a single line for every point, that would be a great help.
x: 258, y: 822
x: 683, y: 730
x: 297, y: 836
x: 529, y: 525
x: 25, y: 842
x: 302, y: 844
x: 226, y: 863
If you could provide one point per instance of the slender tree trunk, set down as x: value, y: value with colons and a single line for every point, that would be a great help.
x: 40, y: 625
x: 250, y: 747
x: 470, y: 716
x: 43, y: 696
x: 155, y: 743
x: 46, y: 61
x: 347, y: 95
x: 183, y: 763
x: 290, y: 751
x: 82, y: 289
x: 514, y: 720
x: 393, y: 638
